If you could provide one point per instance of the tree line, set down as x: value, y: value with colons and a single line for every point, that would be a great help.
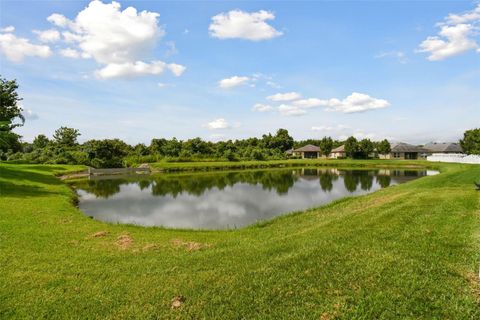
x: 63, y: 147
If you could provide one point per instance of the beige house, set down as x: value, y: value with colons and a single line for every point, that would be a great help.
x: 307, y: 152
x: 338, y: 152
x: 403, y: 151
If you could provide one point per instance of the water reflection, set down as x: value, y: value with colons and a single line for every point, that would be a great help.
x: 225, y: 199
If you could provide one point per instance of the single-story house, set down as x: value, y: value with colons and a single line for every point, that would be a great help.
x: 442, y: 147
x: 307, y: 152
x: 338, y: 152
x: 402, y: 151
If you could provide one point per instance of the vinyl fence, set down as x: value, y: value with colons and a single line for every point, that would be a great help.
x: 454, y: 157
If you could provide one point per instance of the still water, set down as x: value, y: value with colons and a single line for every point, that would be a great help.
x: 222, y: 200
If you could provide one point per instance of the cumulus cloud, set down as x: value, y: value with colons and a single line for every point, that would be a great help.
x: 356, y: 102
x: 118, y: 40
x: 136, y: 69
x: 309, y: 103
x: 16, y: 49
x: 338, y: 127
x: 289, y: 110
x: 50, y: 35
x: 457, y: 35
x: 237, y: 24
x: 8, y: 29
x: 233, y: 82
x: 260, y: 107
x: 288, y: 96
x: 217, y: 124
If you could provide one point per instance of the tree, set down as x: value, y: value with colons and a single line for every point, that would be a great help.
x: 108, y: 153
x: 326, y: 146
x: 351, y: 147
x: 9, y: 108
x: 66, y: 137
x: 282, y: 140
x: 471, y: 141
x: 384, y: 147
x: 40, y: 141
x: 365, y: 147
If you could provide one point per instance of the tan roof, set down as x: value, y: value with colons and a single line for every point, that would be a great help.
x: 339, y: 149
x: 308, y: 148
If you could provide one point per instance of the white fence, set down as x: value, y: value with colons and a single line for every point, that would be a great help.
x: 454, y: 157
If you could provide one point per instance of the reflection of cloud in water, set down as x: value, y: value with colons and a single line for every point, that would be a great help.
x: 231, y: 206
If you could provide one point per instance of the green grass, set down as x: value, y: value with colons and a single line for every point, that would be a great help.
x: 227, y: 165
x: 409, y: 251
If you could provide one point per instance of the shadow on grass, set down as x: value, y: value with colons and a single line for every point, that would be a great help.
x: 9, y: 189
x: 24, y: 173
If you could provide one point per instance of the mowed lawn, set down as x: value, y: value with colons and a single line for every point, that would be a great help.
x: 409, y: 251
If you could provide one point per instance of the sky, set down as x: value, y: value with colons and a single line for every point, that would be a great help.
x: 136, y: 70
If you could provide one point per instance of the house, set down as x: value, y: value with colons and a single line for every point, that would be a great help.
x: 442, y: 147
x: 402, y: 151
x: 307, y: 152
x: 338, y: 152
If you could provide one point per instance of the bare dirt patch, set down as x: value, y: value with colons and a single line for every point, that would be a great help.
x: 189, y: 245
x: 99, y: 234
x: 124, y: 241
x: 177, y: 302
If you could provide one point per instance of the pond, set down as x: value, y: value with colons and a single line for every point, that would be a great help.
x: 224, y: 200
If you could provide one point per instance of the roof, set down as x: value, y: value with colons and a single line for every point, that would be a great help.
x: 289, y: 151
x: 308, y: 148
x: 339, y: 149
x: 405, y: 147
x: 443, y: 147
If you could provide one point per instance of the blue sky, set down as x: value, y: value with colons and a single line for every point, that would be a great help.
x: 404, y: 70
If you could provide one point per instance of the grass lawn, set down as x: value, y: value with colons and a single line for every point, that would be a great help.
x: 408, y: 251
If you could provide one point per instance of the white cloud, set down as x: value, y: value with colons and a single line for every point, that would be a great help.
x: 453, y: 40
x: 468, y: 16
x: 8, y: 29
x: 399, y: 55
x: 50, y: 35
x: 59, y: 20
x: 70, y: 53
x: 339, y: 127
x: 309, y: 103
x: 289, y: 110
x: 356, y: 102
x: 118, y: 40
x: 288, y: 96
x: 456, y: 36
x: 171, y: 48
x: 232, y: 82
x: 237, y: 24
x: 136, y: 69
x: 259, y: 107
x: 29, y: 114
x: 217, y: 124
x: 16, y: 49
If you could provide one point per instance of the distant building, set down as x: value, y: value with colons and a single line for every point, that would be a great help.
x: 405, y: 151
x: 307, y: 152
x: 448, y: 147
x: 338, y: 152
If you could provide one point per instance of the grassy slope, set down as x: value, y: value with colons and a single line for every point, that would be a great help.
x: 409, y: 251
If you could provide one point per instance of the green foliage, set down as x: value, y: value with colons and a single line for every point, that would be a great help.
x: 9, y: 108
x: 351, y: 147
x: 108, y: 153
x: 40, y: 141
x: 66, y: 137
x: 471, y: 141
x: 326, y: 146
x: 384, y: 147
x: 365, y: 148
